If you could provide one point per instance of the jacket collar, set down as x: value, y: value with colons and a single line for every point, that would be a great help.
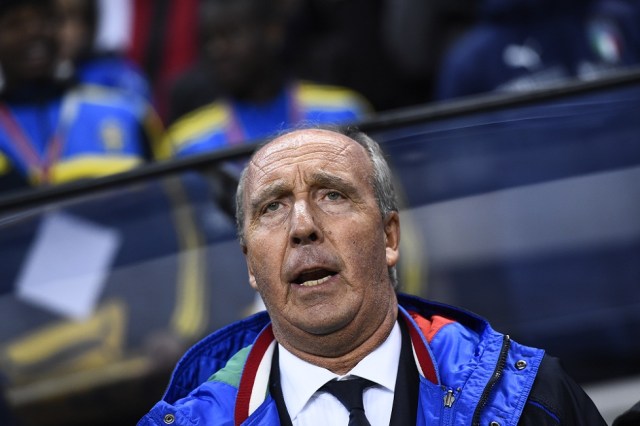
x: 254, y: 383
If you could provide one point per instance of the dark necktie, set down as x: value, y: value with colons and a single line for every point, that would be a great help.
x: 349, y: 393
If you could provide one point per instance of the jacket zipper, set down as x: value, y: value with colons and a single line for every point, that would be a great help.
x: 449, y: 399
x: 497, y: 374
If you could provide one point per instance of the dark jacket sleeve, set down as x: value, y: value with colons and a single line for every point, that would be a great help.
x: 556, y: 399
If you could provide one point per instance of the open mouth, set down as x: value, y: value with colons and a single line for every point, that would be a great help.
x: 314, y: 277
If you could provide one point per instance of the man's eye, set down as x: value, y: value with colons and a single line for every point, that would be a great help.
x: 333, y: 195
x: 273, y: 206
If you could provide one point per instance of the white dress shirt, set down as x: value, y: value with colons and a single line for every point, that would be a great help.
x: 301, y: 380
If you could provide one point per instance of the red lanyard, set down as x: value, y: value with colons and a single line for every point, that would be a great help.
x: 236, y: 132
x: 40, y: 165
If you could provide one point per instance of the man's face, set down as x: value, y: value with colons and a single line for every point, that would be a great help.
x: 75, y: 34
x: 317, y: 248
x: 27, y: 42
x: 239, y: 46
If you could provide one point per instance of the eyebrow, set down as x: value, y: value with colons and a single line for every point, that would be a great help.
x: 327, y: 180
x: 273, y: 190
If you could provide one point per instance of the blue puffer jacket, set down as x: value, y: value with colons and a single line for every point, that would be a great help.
x: 469, y: 374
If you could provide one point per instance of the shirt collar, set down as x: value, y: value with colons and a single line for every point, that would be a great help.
x: 300, y: 379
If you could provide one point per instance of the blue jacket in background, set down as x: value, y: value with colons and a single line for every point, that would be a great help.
x: 74, y: 133
x: 227, y: 122
x: 115, y: 71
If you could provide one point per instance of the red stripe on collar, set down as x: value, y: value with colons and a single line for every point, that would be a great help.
x: 249, y: 374
x: 422, y: 352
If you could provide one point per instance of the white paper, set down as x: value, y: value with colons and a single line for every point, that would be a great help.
x: 67, y: 266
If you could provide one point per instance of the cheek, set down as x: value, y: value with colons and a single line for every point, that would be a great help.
x: 264, y: 256
x: 366, y: 254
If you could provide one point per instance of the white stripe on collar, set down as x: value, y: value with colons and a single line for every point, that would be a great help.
x: 261, y: 383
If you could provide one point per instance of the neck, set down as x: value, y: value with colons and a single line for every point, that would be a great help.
x: 263, y: 91
x: 341, y: 351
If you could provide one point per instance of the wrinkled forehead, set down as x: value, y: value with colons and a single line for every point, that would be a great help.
x: 309, y: 149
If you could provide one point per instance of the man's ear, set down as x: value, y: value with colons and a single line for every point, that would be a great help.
x: 252, y: 278
x: 392, y: 238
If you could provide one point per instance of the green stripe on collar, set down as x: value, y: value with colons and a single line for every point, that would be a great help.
x: 232, y: 371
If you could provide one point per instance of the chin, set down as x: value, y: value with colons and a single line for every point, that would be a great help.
x: 327, y: 325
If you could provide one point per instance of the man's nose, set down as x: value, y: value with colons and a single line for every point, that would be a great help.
x: 304, y: 227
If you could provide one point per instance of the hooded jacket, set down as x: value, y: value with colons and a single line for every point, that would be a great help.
x: 469, y: 375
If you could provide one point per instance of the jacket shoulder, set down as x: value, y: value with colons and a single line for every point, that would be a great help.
x: 313, y: 95
x: 107, y: 97
x: 556, y: 399
x: 211, y: 354
x: 198, y: 124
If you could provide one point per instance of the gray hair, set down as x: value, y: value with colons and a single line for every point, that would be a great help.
x: 381, y: 180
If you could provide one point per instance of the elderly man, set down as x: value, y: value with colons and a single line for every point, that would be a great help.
x: 319, y: 226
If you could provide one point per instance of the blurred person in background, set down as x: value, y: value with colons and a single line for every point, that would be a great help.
x: 163, y: 43
x: 53, y: 130
x: 417, y: 34
x: 390, y: 55
x: 80, y: 57
x: 196, y: 86
x: 520, y: 45
x: 246, y: 44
